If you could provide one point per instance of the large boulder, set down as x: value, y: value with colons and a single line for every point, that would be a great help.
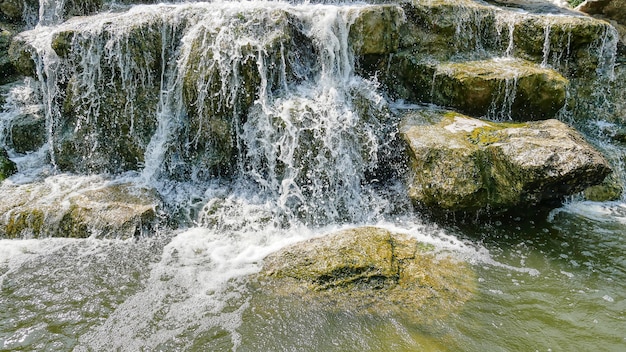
x: 370, y: 270
x: 462, y: 164
x: 70, y: 207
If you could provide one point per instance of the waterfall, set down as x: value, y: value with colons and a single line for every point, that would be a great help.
x: 263, y: 94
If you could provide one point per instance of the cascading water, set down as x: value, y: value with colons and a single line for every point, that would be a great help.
x: 253, y: 123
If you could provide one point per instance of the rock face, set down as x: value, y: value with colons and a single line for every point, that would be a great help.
x: 370, y: 269
x: 465, y: 164
x: 71, y: 209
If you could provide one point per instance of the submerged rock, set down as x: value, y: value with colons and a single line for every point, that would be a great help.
x: 463, y: 164
x: 72, y: 209
x: 371, y: 270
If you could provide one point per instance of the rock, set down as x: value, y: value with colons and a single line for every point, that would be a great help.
x: 376, y: 30
x: 78, y: 208
x: 22, y: 54
x: 611, y: 9
x: 12, y: 9
x: 461, y: 164
x: 369, y: 270
x: 503, y: 89
x: 109, y: 113
x: 7, y: 71
x: 446, y: 29
x: 610, y: 189
x: 7, y: 167
x: 28, y: 132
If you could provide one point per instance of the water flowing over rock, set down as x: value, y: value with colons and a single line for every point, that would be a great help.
x: 503, y: 89
x: 370, y: 270
x: 464, y: 164
x: 69, y: 207
x: 289, y: 102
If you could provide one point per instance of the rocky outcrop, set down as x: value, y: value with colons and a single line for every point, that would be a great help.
x: 69, y: 207
x: 463, y: 164
x: 370, y: 270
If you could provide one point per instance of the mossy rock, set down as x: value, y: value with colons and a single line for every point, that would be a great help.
x: 500, y: 89
x: 369, y: 270
x: 376, y: 30
x: 108, y: 114
x: 22, y: 54
x: 461, y: 164
x: 28, y: 132
x: 7, y: 166
x: 610, y: 189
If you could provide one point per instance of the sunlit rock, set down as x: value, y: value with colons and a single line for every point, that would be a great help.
x: 613, y: 11
x: 499, y: 88
x: 463, y: 164
x: 370, y: 270
x: 76, y: 208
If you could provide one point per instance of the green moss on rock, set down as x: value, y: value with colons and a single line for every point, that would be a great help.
x: 504, y: 89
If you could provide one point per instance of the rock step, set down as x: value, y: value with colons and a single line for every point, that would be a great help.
x: 77, y: 207
x: 462, y: 164
x: 501, y: 88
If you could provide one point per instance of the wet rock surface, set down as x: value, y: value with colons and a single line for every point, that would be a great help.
x: 369, y: 269
x: 502, y: 89
x: 7, y: 167
x: 68, y: 208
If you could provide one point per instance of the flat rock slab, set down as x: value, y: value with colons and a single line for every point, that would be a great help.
x: 69, y: 206
x: 370, y: 270
x: 459, y: 163
x: 499, y: 88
